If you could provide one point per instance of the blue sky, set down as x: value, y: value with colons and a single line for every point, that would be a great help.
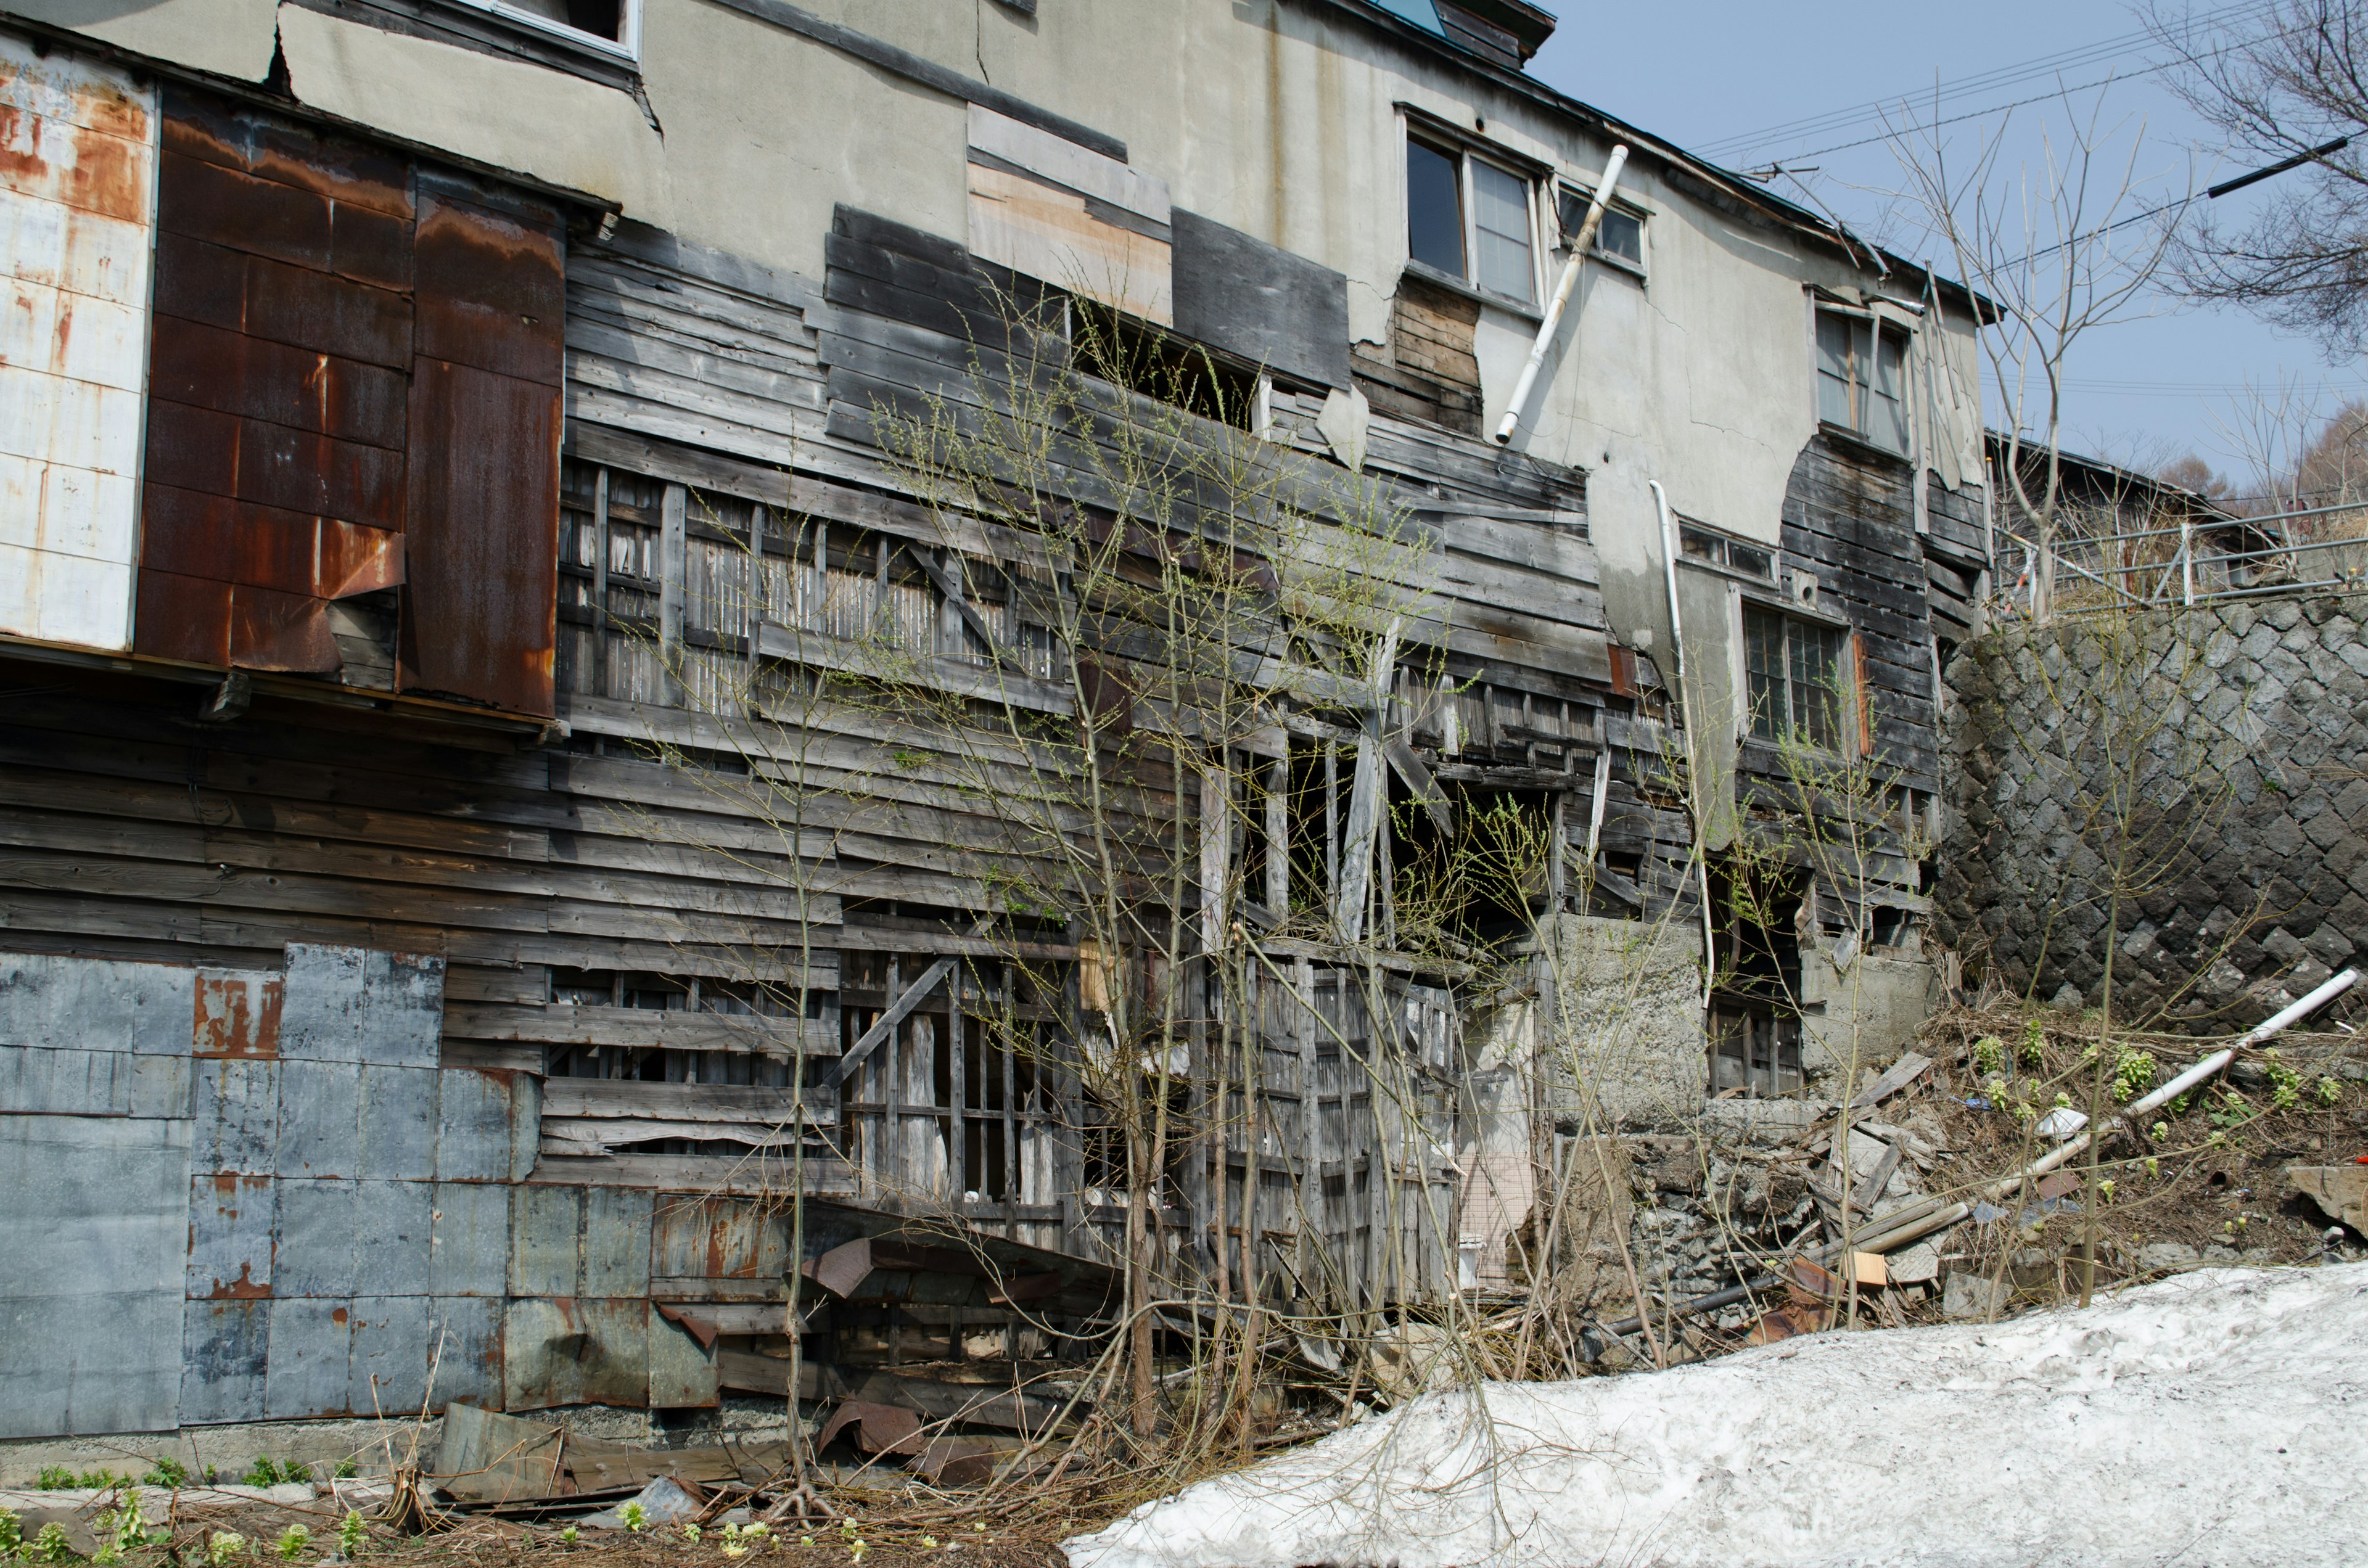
x: 1703, y: 74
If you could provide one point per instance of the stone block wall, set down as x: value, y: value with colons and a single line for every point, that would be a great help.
x: 2220, y: 753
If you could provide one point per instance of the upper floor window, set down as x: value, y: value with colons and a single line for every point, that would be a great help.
x: 1862, y: 378
x: 610, y: 27
x: 1620, y: 238
x: 1793, y: 671
x: 1705, y: 544
x: 1471, y: 219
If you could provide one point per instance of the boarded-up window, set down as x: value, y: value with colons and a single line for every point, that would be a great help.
x: 1073, y: 218
x: 77, y: 232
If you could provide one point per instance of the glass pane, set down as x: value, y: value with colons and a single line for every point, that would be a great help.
x: 1745, y: 557
x: 1434, y: 210
x: 1500, y: 207
x: 1702, y: 546
x: 1834, y: 402
x: 1763, y: 663
x: 1889, y: 410
x: 1816, y: 705
x: 1622, y: 235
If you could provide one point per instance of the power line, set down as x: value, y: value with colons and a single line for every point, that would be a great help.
x: 2004, y: 76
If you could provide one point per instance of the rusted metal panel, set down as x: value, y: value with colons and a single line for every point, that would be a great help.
x: 92, y: 1241
x: 490, y: 287
x: 682, y: 1370
x: 347, y: 1003
x: 237, y: 1014
x: 481, y: 607
x: 579, y: 1351
x: 546, y: 1227
x: 468, y: 1239
x: 198, y: 365
x: 231, y: 1220
x: 208, y: 202
x: 224, y: 1347
x: 238, y: 542
x: 716, y: 1238
x: 237, y: 1116
x: 272, y: 631
x: 77, y: 156
x: 186, y: 618
x: 616, y: 1241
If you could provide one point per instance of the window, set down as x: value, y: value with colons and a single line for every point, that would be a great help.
x: 1794, y: 674
x: 1701, y: 544
x: 610, y: 27
x: 1471, y: 219
x: 1620, y: 237
x: 1862, y: 378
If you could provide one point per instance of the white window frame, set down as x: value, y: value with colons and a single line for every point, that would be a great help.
x: 1584, y: 190
x: 1444, y: 140
x: 627, y: 49
x: 1878, y: 326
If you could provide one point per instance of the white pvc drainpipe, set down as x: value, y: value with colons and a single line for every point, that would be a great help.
x: 1579, y: 246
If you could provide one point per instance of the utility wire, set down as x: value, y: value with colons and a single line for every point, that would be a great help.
x: 2225, y: 188
x: 2009, y: 75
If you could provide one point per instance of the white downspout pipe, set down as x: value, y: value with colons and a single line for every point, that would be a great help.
x: 1695, y: 784
x: 1579, y: 246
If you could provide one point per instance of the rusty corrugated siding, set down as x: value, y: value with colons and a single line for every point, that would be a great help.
x: 77, y: 165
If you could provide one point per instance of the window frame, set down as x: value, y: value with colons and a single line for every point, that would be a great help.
x: 627, y: 50
x: 1582, y: 192
x: 1447, y: 143
x: 1864, y: 390
x: 1846, y: 698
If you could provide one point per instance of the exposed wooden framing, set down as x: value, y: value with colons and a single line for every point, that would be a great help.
x: 671, y: 543
x: 907, y: 999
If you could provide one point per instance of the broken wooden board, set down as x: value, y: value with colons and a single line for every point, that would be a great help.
x: 748, y: 1371
x: 1895, y: 1077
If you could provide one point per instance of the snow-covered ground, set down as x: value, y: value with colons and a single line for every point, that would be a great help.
x: 2216, y: 1419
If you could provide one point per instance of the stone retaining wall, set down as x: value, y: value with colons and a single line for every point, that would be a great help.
x: 2237, y: 734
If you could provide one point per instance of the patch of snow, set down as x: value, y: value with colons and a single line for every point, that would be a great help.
x: 2213, y: 1420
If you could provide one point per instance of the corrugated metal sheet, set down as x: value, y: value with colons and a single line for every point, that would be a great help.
x: 77, y: 181
x: 237, y: 1014
x: 93, y: 1236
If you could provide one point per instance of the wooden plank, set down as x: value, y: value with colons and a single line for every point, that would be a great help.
x: 610, y: 1098
x: 884, y: 1027
x: 748, y: 1371
x: 639, y: 1029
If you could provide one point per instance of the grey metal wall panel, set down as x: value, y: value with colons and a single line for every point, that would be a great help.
x: 361, y: 1005
x: 237, y: 1108
x: 95, y: 1004
x: 388, y: 1373
x: 616, y: 1241
x: 682, y: 1374
x: 472, y: 1133
x: 465, y: 1350
x: 526, y: 1124
x: 398, y: 1122
x: 225, y: 1344
x: 1236, y: 292
x: 320, y: 1119
x: 311, y: 1349
x: 469, y: 1244
x: 546, y: 1241
x: 575, y: 1352
x: 231, y: 1220
x: 391, y: 1236
x: 161, y: 1086
x: 42, y: 1081
x: 317, y: 1223
x: 93, y: 1232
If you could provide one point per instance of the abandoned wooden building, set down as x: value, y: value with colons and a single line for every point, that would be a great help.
x: 467, y: 940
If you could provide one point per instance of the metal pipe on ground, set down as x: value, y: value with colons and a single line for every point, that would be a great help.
x: 1918, y: 1220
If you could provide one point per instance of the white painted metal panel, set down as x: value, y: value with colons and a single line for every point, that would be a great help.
x: 79, y: 143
